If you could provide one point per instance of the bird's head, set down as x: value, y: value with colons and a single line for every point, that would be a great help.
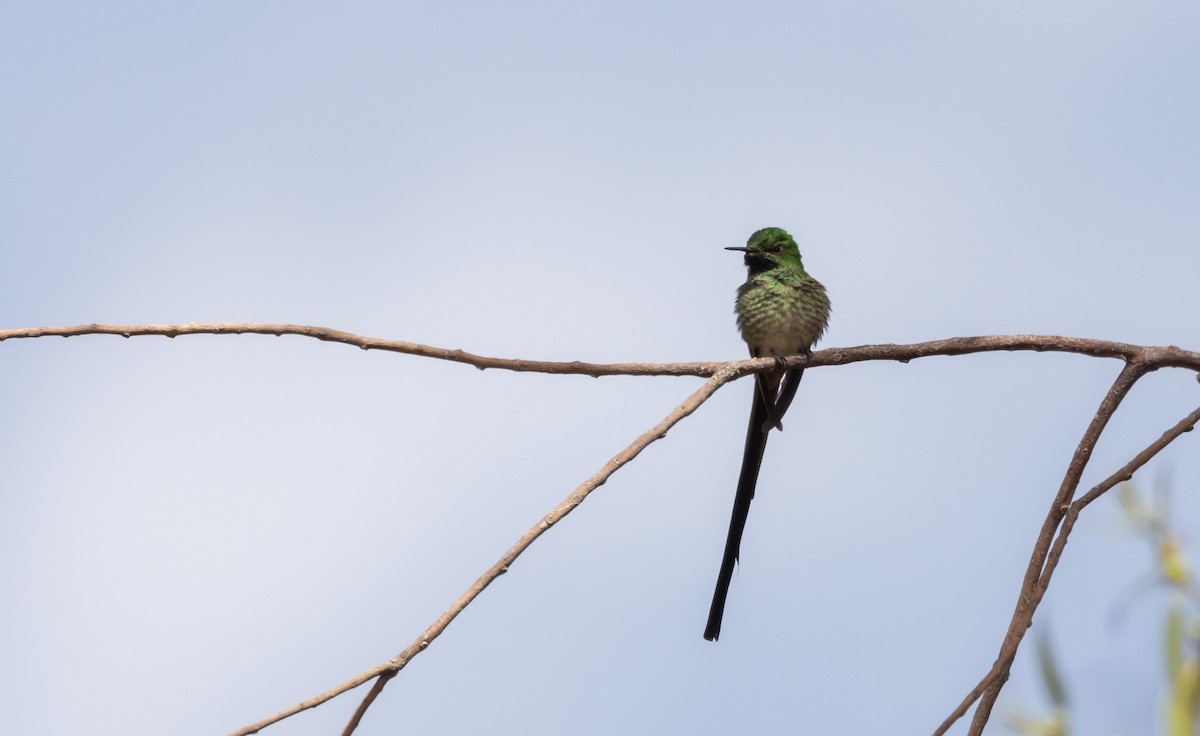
x: 769, y: 248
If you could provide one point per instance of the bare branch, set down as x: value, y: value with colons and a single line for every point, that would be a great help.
x: 361, y: 710
x: 1027, y: 601
x: 1126, y: 472
x: 389, y: 669
x: 1153, y: 357
x: 376, y: 671
x: 1031, y: 596
x: 990, y: 686
x: 1061, y: 517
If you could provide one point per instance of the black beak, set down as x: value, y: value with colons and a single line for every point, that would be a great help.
x: 742, y: 248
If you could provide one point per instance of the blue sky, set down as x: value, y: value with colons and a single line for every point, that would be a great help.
x: 195, y: 533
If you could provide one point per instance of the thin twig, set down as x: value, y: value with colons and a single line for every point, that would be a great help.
x: 1060, y: 542
x: 1126, y: 472
x: 369, y: 698
x: 1154, y: 357
x: 1041, y: 548
x: 389, y: 669
x: 1027, y: 601
x: 313, y: 702
x: 1031, y: 597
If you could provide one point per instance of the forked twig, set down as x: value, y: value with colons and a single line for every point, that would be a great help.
x: 1047, y: 556
x: 393, y: 666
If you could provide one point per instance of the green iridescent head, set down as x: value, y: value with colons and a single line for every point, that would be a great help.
x: 769, y: 248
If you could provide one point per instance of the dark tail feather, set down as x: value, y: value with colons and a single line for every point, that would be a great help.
x: 756, y: 444
x: 787, y: 392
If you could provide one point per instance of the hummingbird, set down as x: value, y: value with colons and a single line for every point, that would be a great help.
x: 781, y: 311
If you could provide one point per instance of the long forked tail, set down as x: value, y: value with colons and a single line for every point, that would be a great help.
x: 767, y: 410
x: 756, y: 444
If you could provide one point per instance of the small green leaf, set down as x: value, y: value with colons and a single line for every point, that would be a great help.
x: 1052, y: 679
x: 1173, y: 638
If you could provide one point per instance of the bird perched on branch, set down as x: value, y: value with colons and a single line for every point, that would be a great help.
x: 781, y: 311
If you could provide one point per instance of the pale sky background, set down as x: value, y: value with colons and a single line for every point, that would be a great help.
x: 197, y: 533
